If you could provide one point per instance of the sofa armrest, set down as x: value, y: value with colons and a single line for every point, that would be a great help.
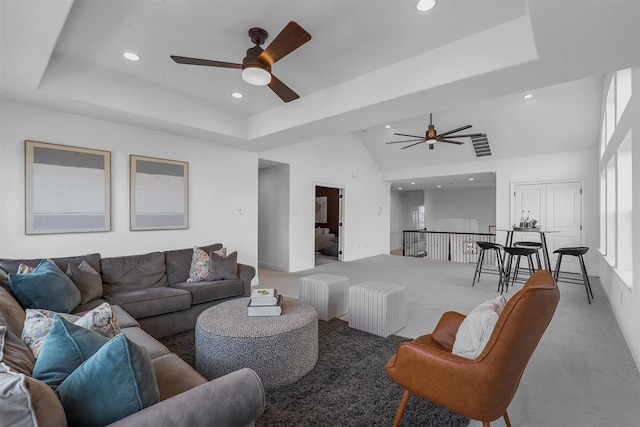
x: 235, y: 399
x: 246, y: 274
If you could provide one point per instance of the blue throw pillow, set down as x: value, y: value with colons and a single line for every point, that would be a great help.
x: 117, y: 381
x: 46, y: 287
x: 66, y: 347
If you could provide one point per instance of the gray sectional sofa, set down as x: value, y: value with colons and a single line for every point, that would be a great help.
x: 149, y: 296
x: 153, y: 287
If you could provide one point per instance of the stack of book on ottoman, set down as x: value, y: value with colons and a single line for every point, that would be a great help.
x: 265, y: 302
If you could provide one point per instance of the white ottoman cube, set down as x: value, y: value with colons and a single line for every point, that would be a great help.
x: 378, y: 308
x: 328, y: 293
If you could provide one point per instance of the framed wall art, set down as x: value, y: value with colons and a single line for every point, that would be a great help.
x: 158, y: 194
x: 67, y: 189
x: 321, y: 210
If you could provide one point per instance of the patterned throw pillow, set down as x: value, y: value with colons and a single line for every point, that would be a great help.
x: 38, y: 323
x: 4, y: 279
x: 201, y: 264
x: 24, y: 269
x: 199, y: 270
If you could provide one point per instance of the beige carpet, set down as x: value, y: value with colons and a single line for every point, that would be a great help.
x: 582, y: 373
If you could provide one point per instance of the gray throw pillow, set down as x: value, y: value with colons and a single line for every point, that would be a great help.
x: 87, y: 280
x: 223, y: 268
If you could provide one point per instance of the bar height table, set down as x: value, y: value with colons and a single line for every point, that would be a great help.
x: 543, y: 240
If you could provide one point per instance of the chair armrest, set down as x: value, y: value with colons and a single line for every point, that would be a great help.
x: 447, y: 328
x: 436, y: 375
x: 235, y: 399
x: 246, y: 274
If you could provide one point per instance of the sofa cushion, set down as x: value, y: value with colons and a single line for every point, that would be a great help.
x: 178, y: 262
x: 46, y: 287
x: 175, y: 376
x: 38, y: 324
x: 87, y: 280
x: 132, y: 272
x: 223, y: 267
x: 154, y: 347
x: 117, y: 381
x: 212, y: 291
x: 151, y: 302
x: 11, y: 313
x: 14, y: 354
x: 125, y: 320
x: 11, y: 265
x: 27, y: 402
x: 66, y: 347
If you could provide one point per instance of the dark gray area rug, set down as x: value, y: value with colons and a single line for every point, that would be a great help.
x: 348, y: 387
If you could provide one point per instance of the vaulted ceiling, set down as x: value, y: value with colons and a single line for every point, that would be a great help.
x: 368, y: 64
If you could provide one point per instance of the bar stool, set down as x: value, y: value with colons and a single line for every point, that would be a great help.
x: 577, y: 251
x: 518, y: 252
x: 535, y: 245
x: 488, y: 246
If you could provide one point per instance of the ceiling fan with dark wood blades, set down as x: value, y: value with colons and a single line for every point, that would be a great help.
x: 256, y: 66
x: 431, y: 136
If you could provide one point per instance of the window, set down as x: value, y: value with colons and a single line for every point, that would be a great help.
x: 624, y: 206
x: 610, y: 111
x: 603, y: 212
x: 623, y: 91
x: 611, y: 211
x: 616, y: 177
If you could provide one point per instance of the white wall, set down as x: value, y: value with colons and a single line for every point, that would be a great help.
x: 624, y: 300
x: 341, y: 162
x: 397, y: 213
x: 273, y: 218
x: 464, y: 204
x: 402, y: 205
x: 221, y: 180
x: 568, y: 166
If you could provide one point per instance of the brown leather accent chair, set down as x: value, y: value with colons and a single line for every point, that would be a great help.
x: 481, y: 388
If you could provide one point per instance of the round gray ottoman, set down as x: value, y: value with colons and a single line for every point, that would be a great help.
x: 280, y: 349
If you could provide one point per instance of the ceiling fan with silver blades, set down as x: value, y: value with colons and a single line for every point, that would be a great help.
x: 256, y: 66
x: 431, y: 136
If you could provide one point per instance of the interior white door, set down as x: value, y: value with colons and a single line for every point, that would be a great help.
x: 558, y: 208
x: 565, y: 216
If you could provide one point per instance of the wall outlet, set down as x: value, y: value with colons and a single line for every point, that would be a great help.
x: 239, y: 211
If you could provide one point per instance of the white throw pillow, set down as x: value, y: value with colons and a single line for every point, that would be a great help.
x: 476, y: 329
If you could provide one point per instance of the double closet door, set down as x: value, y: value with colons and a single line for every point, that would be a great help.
x: 558, y: 207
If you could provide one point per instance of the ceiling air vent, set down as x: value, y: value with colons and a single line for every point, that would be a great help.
x: 481, y: 145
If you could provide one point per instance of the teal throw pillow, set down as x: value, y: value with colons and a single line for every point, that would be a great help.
x: 45, y: 287
x: 117, y: 381
x: 66, y: 347
x: 223, y: 268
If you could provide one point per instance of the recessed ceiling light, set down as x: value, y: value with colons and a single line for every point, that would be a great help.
x: 399, y: 188
x: 528, y: 96
x: 387, y: 126
x: 439, y: 186
x: 413, y: 183
x: 237, y: 95
x: 425, y: 5
x: 471, y: 179
x: 131, y: 56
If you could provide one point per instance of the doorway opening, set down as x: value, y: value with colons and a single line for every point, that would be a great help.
x: 328, y: 224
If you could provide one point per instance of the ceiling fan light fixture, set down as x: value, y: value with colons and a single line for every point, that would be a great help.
x: 425, y: 5
x: 256, y: 76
